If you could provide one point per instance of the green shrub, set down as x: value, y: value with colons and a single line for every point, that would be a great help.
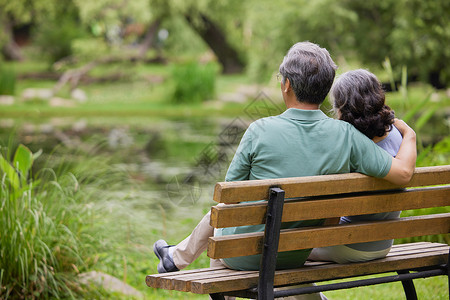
x: 435, y: 155
x: 193, y: 82
x: 7, y: 81
x: 55, y: 38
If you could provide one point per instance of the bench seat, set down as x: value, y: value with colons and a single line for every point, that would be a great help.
x: 217, y: 280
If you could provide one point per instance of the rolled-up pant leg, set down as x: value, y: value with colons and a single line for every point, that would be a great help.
x: 191, y: 247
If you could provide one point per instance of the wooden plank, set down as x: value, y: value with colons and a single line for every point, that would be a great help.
x: 413, y: 250
x: 251, y: 190
x: 324, y: 272
x: 183, y: 283
x: 313, y: 237
x: 178, y: 282
x: 401, y: 248
x: 155, y: 280
x: 255, y: 213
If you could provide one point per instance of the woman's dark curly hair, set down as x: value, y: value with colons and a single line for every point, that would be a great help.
x: 358, y: 99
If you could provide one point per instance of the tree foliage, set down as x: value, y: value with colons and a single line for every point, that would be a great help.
x: 420, y: 39
x: 23, y: 11
x: 104, y: 15
x: 17, y: 13
x: 411, y: 33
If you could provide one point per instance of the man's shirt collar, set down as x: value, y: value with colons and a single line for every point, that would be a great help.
x: 304, y: 115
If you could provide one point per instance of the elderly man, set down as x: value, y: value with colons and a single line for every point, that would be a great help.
x: 302, y: 141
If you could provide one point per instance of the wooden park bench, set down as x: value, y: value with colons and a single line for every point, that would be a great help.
x: 320, y: 197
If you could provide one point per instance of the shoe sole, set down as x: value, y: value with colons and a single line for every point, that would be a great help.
x: 160, y: 266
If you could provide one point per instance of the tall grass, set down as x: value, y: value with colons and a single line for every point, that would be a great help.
x: 47, y: 230
x: 118, y: 217
x: 37, y: 245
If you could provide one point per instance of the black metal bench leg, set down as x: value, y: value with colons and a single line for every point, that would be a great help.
x: 408, y: 287
x: 270, y: 247
x: 217, y: 296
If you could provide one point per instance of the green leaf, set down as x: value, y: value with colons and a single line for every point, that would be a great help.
x: 416, y: 108
x: 11, y: 174
x: 425, y: 117
x: 23, y: 160
x: 37, y: 154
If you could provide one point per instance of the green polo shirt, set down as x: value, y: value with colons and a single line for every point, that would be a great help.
x: 293, y: 144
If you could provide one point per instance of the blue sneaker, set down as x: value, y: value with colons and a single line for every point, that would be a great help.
x: 166, y: 264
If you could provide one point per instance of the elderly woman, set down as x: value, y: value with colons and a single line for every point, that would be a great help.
x: 358, y: 98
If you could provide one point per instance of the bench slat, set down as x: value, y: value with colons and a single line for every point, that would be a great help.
x: 313, y: 237
x: 255, y: 213
x: 404, y: 248
x: 407, y: 251
x: 183, y: 283
x: 251, y: 190
x: 156, y: 280
x: 308, y: 273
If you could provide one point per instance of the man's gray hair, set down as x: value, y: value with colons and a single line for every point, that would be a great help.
x: 310, y: 71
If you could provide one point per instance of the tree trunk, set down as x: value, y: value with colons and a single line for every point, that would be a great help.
x: 149, y: 38
x: 10, y: 49
x: 216, y: 40
x: 434, y: 79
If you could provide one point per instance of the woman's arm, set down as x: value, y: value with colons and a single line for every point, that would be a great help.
x: 403, y: 165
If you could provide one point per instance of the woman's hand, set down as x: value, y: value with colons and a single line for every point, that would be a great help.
x: 404, y: 128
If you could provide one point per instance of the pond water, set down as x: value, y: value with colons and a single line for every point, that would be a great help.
x: 168, y: 163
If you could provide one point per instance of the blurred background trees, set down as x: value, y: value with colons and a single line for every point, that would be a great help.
x: 17, y: 17
x: 248, y: 36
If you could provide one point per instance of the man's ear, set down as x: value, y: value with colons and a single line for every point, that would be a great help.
x: 287, y: 85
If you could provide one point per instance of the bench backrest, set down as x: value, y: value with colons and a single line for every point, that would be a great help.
x: 330, y: 196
